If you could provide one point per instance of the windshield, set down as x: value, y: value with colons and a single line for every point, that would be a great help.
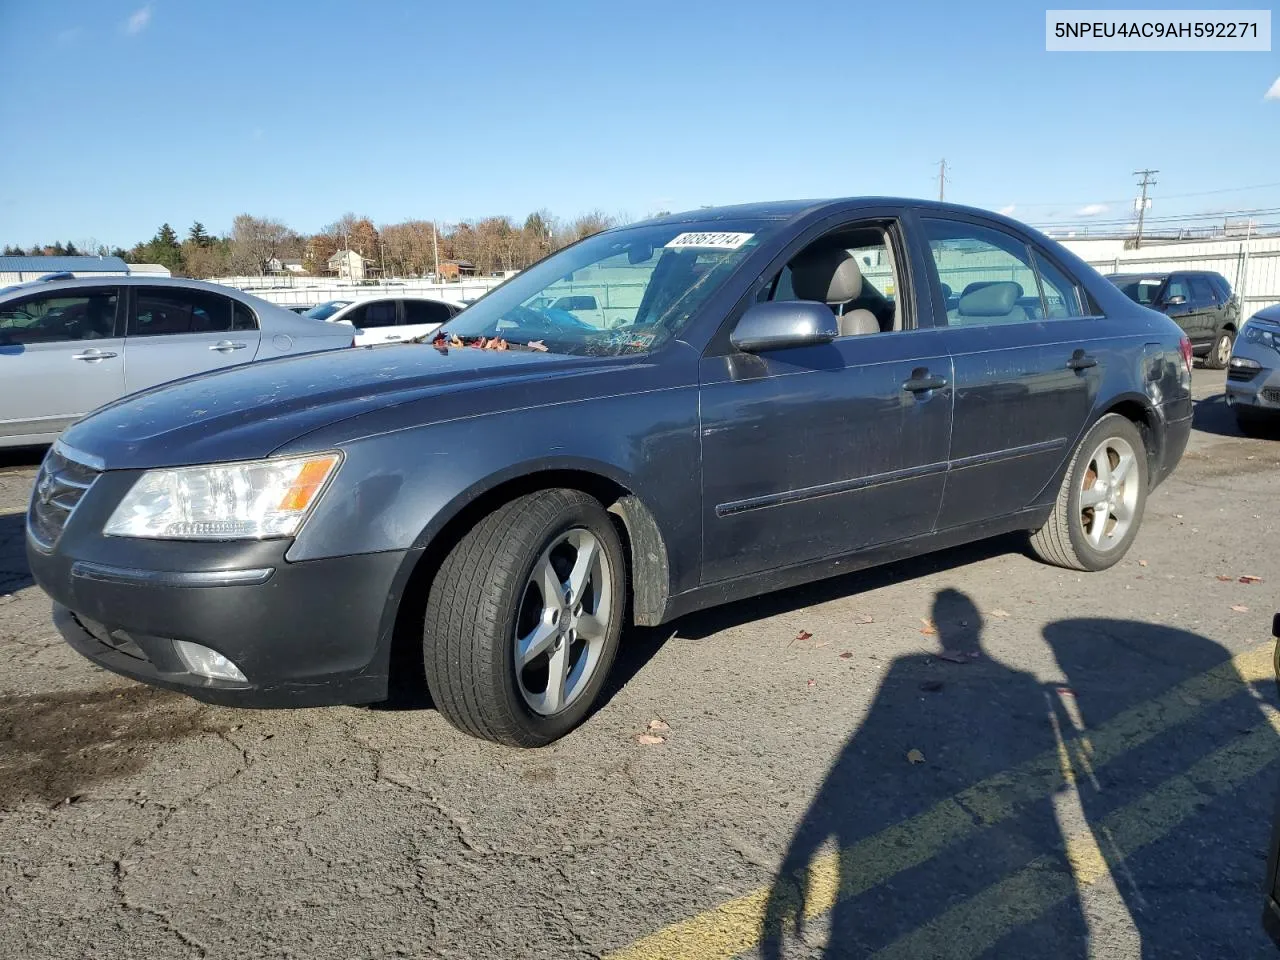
x: 1139, y: 289
x: 626, y: 291
x: 326, y: 310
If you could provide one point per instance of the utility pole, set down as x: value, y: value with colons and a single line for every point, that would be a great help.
x: 435, y: 249
x: 942, y: 179
x: 1142, y: 203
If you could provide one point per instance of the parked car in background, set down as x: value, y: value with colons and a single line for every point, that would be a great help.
x: 70, y: 345
x: 300, y: 307
x: 387, y: 319
x: 1253, y: 373
x: 765, y: 415
x: 1199, y: 301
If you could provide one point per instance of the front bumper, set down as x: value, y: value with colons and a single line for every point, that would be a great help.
x: 311, y: 633
x: 1258, y: 394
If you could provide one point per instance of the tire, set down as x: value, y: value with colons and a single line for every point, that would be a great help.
x: 1070, y: 537
x: 1220, y: 352
x: 485, y: 595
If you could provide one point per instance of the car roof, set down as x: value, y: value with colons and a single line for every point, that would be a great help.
x: 791, y: 209
x: 77, y: 283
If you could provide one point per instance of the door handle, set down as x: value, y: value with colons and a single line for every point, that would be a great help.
x: 922, y: 382
x: 1081, y: 361
x: 226, y: 346
x: 93, y: 354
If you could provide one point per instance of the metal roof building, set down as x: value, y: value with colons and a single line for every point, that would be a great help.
x: 21, y: 269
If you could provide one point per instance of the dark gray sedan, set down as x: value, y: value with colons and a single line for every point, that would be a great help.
x: 766, y: 395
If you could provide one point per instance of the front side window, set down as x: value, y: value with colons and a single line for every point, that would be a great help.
x: 852, y: 271
x: 380, y: 313
x: 1178, y: 287
x: 59, y: 317
x: 995, y: 277
x: 161, y: 312
x: 647, y: 283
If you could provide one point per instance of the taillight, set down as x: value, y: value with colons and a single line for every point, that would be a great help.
x: 1184, y: 345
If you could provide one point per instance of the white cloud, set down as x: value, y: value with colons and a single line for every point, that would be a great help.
x: 1274, y: 92
x: 138, y: 20
x: 1007, y: 210
x: 1091, y: 210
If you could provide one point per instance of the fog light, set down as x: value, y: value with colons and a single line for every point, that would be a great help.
x: 1244, y: 363
x: 207, y: 663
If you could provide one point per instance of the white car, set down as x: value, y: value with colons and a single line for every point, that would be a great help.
x: 386, y: 319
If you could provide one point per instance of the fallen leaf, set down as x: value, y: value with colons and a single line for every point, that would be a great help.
x: 847, y: 655
x: 866, y: 618
x: 1142, y: 563
x: 1250, y: 578
x: 1239, y: 608
x: 952, y: 656
x: 1177, y: 516
x: 915, y: 756
x: 931, y: 686
x: 650, y: 740
x: 659, y: 726
x: 1224, y: 578
x: 929, y: 629
x: 803, y: 635
x: 812, y: 682
x: 997, y: 612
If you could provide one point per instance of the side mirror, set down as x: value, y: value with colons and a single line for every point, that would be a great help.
x: 780, y: 324
x: 1176, y: 300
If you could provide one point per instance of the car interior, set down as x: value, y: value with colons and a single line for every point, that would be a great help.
x: 841, y: 270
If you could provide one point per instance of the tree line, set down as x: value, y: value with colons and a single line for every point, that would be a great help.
x: 406, y: 249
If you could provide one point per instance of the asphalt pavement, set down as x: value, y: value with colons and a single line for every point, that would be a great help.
x: 966, y: 755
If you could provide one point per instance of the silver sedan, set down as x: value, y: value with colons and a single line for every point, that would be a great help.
x: 69, y: 346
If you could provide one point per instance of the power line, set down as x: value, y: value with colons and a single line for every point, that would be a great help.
x: 1142, y: 203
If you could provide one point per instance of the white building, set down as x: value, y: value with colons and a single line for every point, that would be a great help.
x: 22, y: 269
x: 349, y: 265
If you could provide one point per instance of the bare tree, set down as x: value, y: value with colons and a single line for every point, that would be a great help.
x: 254, y: 242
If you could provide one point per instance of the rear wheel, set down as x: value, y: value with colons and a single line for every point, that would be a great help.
x: 1220, y: 352
x: 1099, y: 508
x: 523, y: 619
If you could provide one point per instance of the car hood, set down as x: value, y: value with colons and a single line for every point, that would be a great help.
x: 250, y: 411
x: 1269, y: 315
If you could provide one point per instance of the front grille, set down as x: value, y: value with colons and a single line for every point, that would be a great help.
x: 60, y: 485
x: 1271, y: 394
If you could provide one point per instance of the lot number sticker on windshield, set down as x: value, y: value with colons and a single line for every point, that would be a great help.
x: 710, y: 241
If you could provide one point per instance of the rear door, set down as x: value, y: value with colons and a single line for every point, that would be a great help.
x: 1205, y: 309
x: 176, y: 332
x: 61, y: 356
x: 421, y: 317
x: 1028, y: 364
x: 376, y: 321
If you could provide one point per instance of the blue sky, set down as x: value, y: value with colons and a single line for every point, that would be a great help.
x: 121, y: 115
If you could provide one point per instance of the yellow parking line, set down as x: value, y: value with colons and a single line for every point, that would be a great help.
x: 736, y: 925
x: 972, y: 927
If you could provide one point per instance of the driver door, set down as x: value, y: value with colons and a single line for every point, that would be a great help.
x: 820, y: 451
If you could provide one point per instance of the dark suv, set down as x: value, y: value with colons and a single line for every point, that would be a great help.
x: 1199, y: 301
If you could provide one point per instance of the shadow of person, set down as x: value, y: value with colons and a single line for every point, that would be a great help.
x: 1182, y: 812
x: 909, y: 841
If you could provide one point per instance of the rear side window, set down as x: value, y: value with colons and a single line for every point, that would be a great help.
x: 162, y: 311
x: 243, y: 318
x: 1061, y: 294
x: 90, y: 315
x: 424, y: 311
x: 987, y: 270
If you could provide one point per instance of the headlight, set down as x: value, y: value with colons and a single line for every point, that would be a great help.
x: 1244, y: 363
x: 1256, y: 334
x: 252, y: 500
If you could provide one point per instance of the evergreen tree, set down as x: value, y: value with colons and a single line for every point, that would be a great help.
x: 71, y: 250
x: 198, y: 235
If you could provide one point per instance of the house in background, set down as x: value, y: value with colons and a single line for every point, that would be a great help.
x: 349, y: 265
x: 456, y: 269
x: 285, y: 265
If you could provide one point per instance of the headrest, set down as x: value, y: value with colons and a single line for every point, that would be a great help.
x: 995, y: 299
x: 830, y: 277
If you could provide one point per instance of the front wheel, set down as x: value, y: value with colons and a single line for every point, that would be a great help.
x: 523, y: 619
x: 1099, y: 507
x: 1220, y: 353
